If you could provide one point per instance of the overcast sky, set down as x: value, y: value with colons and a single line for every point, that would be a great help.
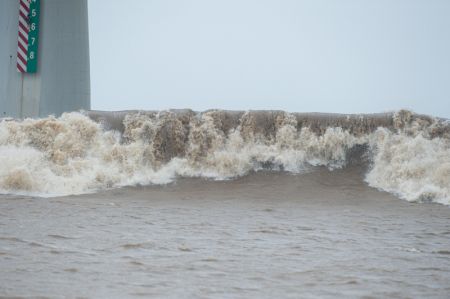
x: 314, y: 55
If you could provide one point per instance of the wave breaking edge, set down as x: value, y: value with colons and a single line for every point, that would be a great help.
x: 408, y: 153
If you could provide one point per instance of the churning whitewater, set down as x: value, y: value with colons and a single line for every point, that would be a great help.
x: 407, y: 154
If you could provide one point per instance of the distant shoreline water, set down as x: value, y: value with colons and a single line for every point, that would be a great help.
x: 408, y: 154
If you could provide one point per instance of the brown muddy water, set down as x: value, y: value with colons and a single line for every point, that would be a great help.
x: 318, y: 234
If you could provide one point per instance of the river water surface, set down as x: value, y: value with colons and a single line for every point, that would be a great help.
x: 320, y: 234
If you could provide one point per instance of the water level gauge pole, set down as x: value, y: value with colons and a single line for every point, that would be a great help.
x: 28, y: 39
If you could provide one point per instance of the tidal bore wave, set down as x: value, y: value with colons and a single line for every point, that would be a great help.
x: 407, y: 154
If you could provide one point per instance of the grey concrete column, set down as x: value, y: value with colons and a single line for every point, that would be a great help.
x: 62, y: 81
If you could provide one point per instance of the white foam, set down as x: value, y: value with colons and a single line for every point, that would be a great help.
x: 413, y: 167
x: 74, y: 155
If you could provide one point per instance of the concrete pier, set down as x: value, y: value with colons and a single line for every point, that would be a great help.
x: 62, y: 81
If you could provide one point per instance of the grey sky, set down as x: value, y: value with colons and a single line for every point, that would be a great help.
x: 316, y: 55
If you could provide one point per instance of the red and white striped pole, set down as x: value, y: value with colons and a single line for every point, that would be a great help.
x: 28, y: 36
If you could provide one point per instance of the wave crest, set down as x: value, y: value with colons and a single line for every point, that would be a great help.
x: 78, y: 153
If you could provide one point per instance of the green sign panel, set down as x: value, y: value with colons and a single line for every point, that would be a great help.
x: 33, y: 36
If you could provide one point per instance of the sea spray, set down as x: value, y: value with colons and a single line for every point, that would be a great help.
x: 412, y: 162
x: 77, y: 153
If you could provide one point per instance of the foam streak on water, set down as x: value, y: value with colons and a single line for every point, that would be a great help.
x: 409, y: 154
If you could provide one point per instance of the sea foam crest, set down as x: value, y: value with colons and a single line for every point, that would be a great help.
x: 73, y: 154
